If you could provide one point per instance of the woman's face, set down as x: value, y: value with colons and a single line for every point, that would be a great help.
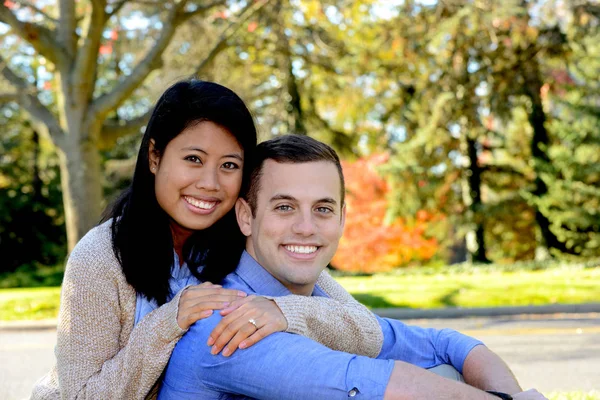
x: 198, y: 176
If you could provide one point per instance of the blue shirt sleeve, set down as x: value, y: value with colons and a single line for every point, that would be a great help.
x: 281, y: 366
x: 424, y: 347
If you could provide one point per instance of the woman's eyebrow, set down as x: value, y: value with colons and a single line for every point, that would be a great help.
x: 234, y: 155
x: 198, y: 149
x: 192, y: 148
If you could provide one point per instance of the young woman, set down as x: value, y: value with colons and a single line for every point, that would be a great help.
x: 135, y: 283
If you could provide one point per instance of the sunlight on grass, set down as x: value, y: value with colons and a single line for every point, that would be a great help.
x: 410, y: 290
x: 486, y: 289
x: 29, y: 303
x: 593, y: 395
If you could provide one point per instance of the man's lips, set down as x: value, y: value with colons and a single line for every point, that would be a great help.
x: 301, y: 249
x: 302, y: 252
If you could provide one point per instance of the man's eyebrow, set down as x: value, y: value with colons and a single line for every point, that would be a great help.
x: 327, y: 200
x: 282, y: 197
x: 198, y: 149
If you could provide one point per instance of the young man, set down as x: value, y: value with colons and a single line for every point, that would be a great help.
x: 293, y: 217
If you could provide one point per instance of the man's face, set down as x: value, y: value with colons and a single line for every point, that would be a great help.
x: 298, y: 224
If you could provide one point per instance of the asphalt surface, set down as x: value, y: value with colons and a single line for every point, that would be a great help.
x: 552, y: 352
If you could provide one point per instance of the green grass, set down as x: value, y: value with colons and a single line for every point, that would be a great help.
x: 485, y: 288
x: 447, y: 287
x: 29, y: 303
x: 593, y: 395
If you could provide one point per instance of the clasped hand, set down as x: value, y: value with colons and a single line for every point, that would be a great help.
x: 235, y: 329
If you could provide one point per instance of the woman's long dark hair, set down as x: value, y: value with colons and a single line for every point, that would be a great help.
x: 141, y: 235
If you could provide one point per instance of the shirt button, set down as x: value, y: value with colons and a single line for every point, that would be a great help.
x: 353, y: 392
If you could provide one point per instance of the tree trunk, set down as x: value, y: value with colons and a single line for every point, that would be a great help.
x: 81, y: 182
x: 475, y: 238
x: 541, y: 161
x: 294, y: 104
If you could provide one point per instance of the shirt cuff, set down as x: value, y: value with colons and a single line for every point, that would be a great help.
x: 368, y: 378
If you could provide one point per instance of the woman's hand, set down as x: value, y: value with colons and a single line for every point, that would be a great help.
x: 199, y: 301
x: 236, y: 329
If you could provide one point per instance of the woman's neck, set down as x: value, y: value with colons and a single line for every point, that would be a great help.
x: 180, y: 236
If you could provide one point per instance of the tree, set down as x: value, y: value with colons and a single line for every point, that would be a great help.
x: 31, y: 216
x: 372, y: 243
x: 81, y: 99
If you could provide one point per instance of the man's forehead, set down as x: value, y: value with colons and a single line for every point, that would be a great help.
x: 313, y: 177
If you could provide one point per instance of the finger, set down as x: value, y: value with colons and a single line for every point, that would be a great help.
x: 246, y: 331
x: 208, y: 284
x: 213, y: 297
x: 237, y: 303
x: 203, y: 306
x: 223, y: 334
x: 193, y: 317
x: 257, y: 336
x: 202, y: 291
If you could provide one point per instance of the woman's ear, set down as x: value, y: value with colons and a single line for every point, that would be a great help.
x: 243, y: 214
x: 153, y: 157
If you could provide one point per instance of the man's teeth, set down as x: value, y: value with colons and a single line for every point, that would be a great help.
x: 302, y: 249
x: 205, y: 205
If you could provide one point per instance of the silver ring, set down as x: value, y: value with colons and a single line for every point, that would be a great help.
x: 253, y: 322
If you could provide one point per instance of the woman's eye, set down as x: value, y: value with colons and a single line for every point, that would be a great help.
x: 194, y: 159
x: 230, y: 165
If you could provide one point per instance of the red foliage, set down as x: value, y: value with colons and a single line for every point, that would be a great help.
x: 106, y: 49
x: 369, y: 245
x: 252, y: 26
x: 10, y: 4
x: 221, y: 15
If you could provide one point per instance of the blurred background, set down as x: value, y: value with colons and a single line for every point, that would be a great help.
x: 469, y: 132
x: 469, y: 129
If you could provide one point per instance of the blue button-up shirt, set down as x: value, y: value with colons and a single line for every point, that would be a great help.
x: 288, y: 366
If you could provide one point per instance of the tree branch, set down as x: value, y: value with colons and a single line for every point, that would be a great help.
x: 116, y: 7
x: 8, y: 97
x: 37, y: 10
x: 67, y: 25
x: 340, y: 140
x: 250, y: 10
x: 32, y: 104
x: 111, y: 131
x: 87, y: 55
x: 41, y: 38
x: 109, y: 101
x: 202, y: 9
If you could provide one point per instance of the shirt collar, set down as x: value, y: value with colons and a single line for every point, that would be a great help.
x: 261, y: 281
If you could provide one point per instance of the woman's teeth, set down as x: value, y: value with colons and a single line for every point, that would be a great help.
x: 205, y: 205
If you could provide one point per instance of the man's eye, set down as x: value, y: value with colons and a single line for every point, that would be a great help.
x: 284, y: 208
x: 231, y: 165
x: 324, y: 210
x: 194, y: 159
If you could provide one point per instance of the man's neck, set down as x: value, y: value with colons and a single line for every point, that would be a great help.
x: 304, y: 290
x: 300, y: 290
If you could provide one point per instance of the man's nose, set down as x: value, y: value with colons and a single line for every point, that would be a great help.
x: 304, y: 224
x: 208, y: 179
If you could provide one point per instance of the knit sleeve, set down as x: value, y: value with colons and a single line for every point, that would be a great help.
x: 339, y: 322
x: 96, y: 358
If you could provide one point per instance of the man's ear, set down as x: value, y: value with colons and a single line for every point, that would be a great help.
x: 243, y: 214
x: 153, y: 157
x: 343, y: 218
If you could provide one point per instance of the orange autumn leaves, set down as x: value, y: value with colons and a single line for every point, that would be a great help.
x: 369, y: 244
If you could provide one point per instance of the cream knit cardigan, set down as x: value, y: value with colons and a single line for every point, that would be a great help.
x: 100, y: 354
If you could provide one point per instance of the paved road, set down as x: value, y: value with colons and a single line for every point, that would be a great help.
x: 551, y: 353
